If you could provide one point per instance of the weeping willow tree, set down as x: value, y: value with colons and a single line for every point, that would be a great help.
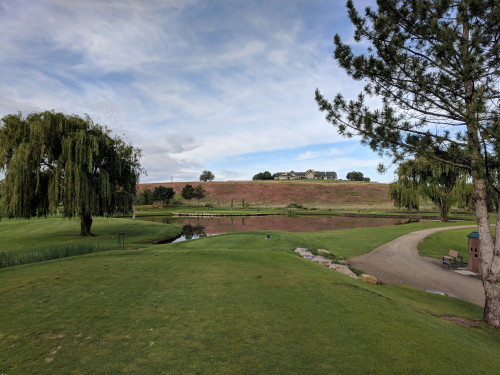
x: 405, y: 193
x: 54, y: 162
x: 443, y: 184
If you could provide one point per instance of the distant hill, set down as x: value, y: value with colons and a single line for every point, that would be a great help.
x: 310, y: 194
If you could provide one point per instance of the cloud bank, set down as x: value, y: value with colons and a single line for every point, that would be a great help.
x: 196, y: 85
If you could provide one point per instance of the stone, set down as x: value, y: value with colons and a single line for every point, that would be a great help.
x: 322, y: 260
x: 300, y: 249
x: 323, y: 251
x: 303, y: 252
x: 369, y: 279
x: 343, y: 269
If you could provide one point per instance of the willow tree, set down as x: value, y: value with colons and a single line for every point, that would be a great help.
x: 434, y: 65
x: 405, y: 193
x: 54, y: 162
x: 443, y: 184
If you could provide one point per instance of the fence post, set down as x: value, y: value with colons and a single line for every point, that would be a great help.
x: 121, y: 241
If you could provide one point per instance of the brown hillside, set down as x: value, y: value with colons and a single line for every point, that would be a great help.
x: 282, y: 193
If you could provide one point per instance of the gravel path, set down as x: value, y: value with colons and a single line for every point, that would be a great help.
x: 398, y: 263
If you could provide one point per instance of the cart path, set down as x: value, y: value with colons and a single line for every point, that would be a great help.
x: 398, y: 263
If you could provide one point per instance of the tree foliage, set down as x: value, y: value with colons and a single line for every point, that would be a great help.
x: 188, y: 192
x: 356, y: 176
x: 207, y: 176
x: 163, y: 194
x: 199, y: 193
x: 405, y: 193
x: 443, y: 184
x: 55, y: 161
x: 263, y: 176
x: 435, y: 66
x: 145, y: 197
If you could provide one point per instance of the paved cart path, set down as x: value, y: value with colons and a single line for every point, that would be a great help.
x: 398, y: 263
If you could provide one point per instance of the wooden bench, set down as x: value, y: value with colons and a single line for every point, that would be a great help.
x: 451, y: 258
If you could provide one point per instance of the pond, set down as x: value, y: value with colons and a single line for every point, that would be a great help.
x: 194, y: 227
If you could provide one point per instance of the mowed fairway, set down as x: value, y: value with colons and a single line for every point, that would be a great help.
x: 226, y: 305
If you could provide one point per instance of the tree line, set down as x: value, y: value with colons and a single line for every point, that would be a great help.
x: 164, y: 194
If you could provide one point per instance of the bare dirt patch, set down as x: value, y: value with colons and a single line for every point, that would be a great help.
x: 462, y: 321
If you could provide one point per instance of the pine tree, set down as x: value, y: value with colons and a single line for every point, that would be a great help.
x: 435, y: 66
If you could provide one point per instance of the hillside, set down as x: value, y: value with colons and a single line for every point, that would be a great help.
x: 317, y: 194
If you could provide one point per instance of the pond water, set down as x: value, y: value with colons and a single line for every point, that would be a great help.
x: 200, y: 226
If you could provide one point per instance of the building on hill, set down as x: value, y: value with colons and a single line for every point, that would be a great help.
x: 311, y: 174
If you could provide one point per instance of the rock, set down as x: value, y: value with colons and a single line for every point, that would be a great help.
x: 322, y: 260
x: 369, y: 279
x: 304, y: 253
x: 300, y: 249
x: 343, y: 269
x: 323, y: 251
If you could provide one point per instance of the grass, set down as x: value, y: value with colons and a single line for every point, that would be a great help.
x: 337, y: 210
x: 440, y: 243
x: 35, y: 235
x: 10, y: 259
x: 235, y: 303
x: 343, y: 243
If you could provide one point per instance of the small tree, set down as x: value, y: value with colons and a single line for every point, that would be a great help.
x: 355, y: 176
x: 52, y: 159
x: 199, y: 193
x: 188, y: 192
x: 163, y: 194
x: 263, y: 176
x: 145, y: 197
x: 207, y: 176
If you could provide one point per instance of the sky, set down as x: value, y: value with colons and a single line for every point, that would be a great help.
x: 223, y: 85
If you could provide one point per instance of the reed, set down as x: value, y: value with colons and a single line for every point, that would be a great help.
x: 8, y: 259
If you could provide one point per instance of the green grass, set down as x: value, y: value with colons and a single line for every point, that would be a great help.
x: 10, y: 259
x: 226, y: 312
x: 344, y: 243
x: 440, y: 243
x: 235, y: 303
x: 25, y: 236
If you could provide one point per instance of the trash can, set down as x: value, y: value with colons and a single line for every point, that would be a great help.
x: 474, y: 252
x: 268, y: 235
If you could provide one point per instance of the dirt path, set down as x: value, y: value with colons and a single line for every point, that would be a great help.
x: 398, y: 263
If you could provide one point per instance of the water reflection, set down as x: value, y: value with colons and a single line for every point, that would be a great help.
x: 193, y: 231
x: 227, y: 224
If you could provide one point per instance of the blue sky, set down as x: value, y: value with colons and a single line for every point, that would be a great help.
x: 226, y: 86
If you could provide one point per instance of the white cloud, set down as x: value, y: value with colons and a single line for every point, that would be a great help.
x: 307, y: 155
x: 188, y: 82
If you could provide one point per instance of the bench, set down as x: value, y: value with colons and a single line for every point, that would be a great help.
x: 451, y: 258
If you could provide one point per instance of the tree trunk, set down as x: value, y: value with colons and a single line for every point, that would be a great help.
x: 442, y: 209
x: 490, y: 256
x: 85, y: 225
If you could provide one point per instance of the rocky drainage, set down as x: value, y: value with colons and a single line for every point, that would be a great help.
x: 342, y: 268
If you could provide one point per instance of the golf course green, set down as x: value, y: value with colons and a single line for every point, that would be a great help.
x: 230, y: 304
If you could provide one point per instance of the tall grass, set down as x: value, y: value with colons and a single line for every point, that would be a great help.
x: 8, y: 259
